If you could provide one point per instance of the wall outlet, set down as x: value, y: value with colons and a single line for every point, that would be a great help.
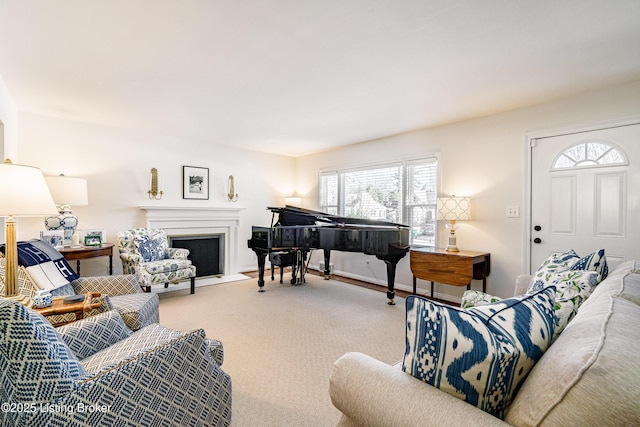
x: 513, y: 212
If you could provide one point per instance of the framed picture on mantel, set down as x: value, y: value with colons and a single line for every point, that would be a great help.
x: 195, y: 183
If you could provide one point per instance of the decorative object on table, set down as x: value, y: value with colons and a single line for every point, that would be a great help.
x: 66, y: 192
x: 93, y: 238
x: 24, y: 192
x: 195, y: 183
x: 73, y: 298
x: 54, y: 238
x: 43, y: 298
x: 232, y: 195
x: 453, y: 209
x: 154, y: 192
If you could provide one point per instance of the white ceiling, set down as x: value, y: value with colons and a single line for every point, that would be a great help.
x: 300, y: 76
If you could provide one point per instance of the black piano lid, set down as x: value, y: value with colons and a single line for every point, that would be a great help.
x: 292, y: 215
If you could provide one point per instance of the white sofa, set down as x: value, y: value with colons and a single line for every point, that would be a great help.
x: 590, y: 376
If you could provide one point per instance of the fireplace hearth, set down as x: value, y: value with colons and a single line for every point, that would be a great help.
x: 211, y: 222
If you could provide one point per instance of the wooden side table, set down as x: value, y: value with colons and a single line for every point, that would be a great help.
x: 86, y: 252
x: 449, y: 268
x: 79, y: 308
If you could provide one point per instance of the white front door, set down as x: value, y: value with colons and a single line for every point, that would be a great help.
x: 585, y: 194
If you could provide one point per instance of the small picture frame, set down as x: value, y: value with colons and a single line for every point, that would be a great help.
x: 195, y: 183
x: 93, y: 237
x: 53, y: 237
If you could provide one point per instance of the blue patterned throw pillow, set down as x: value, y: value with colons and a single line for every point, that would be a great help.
x: 481, y: 355
x: 593, y: 262
x: 151, y: 247
x: 555, y: 263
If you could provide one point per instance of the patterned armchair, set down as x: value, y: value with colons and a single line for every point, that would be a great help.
x: 120, y: 292
x: 98, y: 372
x: 146, y: 253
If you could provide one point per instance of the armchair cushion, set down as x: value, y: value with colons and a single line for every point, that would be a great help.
x: 481, y: 355
x: 165, y: 266
x: 140, y: 341
x: 88, y: 336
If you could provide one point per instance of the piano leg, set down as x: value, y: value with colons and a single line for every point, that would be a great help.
x: 391, y: 279
x: 302, y: 257
x: 294, y: 266
x: 392, y: 260
x: 327, y: 257
x: 262, y: 255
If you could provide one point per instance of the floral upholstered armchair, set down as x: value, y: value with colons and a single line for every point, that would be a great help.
x: 145, y: 252
x: 97, y: 372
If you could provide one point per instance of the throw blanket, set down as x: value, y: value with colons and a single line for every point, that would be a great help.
x: 45, y: 265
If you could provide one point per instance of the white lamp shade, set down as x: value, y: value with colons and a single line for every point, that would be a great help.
x: 24, y: 192
x: 68, y: 191
x: 293, y: 201
x: 454, y: 208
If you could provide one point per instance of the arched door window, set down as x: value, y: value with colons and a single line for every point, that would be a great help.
x: 590, y: 153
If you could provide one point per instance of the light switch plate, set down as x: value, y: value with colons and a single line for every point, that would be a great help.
x: 513, y: 212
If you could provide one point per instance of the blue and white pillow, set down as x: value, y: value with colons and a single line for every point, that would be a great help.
x: 555, y: 263
x: 151, y: 247
x: 596, y: 261
x: 46, y: 267
x: 481, y: 355
x: 472, y: 298
x: 573, y: 287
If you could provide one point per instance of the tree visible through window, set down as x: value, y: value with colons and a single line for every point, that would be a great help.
x: 400, y: 192
x: 590, y: 153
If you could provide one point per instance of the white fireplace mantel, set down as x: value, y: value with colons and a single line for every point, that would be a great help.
x: 191, y: 220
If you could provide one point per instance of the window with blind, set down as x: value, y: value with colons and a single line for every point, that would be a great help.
x: 404, y: 192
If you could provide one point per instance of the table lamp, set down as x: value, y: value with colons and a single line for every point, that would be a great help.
x: 66, y: 192
x: 453, y: 209
x: 23, y: 192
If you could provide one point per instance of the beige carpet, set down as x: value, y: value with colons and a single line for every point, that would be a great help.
x: 280, y: 345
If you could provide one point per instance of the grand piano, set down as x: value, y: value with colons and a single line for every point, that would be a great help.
x: 297, y: 231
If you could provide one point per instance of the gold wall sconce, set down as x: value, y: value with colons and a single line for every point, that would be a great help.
x: 232, y: 195
x: 153, y: 192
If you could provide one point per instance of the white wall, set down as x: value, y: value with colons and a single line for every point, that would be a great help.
x: 9, y: 119
x: 9, y: 129
x: 483, y: 159
x: 117, y: 162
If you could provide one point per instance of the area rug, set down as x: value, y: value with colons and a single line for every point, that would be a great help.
x: 280, y: 345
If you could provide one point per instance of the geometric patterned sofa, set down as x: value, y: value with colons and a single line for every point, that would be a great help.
x: 121, y: 292
x: 97, y: 372
x: 145, y: 252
